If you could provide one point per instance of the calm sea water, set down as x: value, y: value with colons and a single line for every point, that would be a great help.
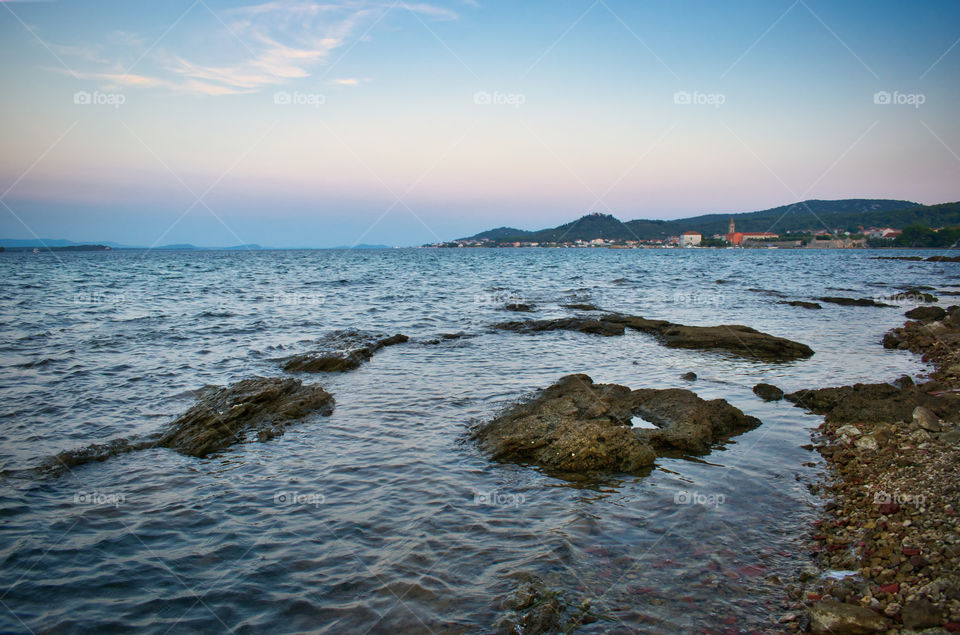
x: 370, y: 520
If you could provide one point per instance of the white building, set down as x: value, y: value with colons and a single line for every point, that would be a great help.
x: 690, y: 239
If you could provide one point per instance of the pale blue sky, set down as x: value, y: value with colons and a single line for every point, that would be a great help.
x: 414, y: 122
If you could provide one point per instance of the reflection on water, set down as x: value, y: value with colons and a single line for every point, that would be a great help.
x: 384, y: 516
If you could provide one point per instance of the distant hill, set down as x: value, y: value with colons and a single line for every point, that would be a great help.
x: 846, y: 214
x: 13, y: 244
x: 53, y: 242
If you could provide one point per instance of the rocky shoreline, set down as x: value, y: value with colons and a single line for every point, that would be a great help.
x: 887, y: 547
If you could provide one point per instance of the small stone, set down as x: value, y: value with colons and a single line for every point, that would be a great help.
x: 689, y: 376
x: 786, y: 618
x: 888, y: 509
x: 920, y: 614
x: 837, y: 617
x: 867, y: 442
x: 924, y: 418
x: 768, y: 392
x: 849, y: 431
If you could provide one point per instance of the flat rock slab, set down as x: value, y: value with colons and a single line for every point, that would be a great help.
x: 874, y: 403
x: 852, y: 301
x: 576, y: 426
x: 734, y: 338
x: 260, y: 407
x: 224, y: 416
x: 341, y: 352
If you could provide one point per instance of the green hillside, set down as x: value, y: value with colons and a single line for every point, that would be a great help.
x: 847, y: 214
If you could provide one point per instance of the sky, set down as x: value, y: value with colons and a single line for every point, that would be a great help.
x: 337, y: 122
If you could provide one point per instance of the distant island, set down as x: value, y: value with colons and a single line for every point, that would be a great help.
x: 59, y: 244
x: 847, y: 223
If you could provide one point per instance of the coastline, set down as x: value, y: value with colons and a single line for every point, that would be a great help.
x: 886, y: 548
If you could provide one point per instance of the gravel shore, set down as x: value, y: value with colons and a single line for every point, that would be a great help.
x: 887, y: 547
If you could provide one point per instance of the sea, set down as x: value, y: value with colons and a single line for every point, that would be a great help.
x: 385, y: 517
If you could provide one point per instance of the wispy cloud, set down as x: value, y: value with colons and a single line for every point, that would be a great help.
x: 273, y: 42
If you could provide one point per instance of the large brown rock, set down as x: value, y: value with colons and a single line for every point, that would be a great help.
x: 260, y: 406
x: 926, y: 313
x: 577, y: 426
x: 572, y: 426
x: 735, y: 338
x: 686, y: 422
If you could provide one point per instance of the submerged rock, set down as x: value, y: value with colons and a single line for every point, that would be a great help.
x: 579, y: 324
x: 519, y: 307
x: 576, y: 306
x: 768, y: 392
x: 577, y: 426
x: 220, y: 418
x: 734, y: 338
x: 345, y: 351
x: 802, y: 304
x: 852, y: 301
x: 225, y: 416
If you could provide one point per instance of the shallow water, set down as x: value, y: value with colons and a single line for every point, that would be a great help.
x: 384, y: 516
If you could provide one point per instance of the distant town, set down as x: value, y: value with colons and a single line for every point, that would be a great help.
x: 907, y: 225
